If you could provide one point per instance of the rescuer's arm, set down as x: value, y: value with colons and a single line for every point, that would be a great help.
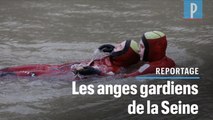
x: 150, y: 67
x: 106, y: 48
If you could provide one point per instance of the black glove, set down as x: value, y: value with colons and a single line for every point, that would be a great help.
x: 106, y: 48
x: 88, y: 70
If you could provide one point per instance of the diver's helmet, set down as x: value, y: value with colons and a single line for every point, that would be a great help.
x: 153, y: 46
x: 125, y: 53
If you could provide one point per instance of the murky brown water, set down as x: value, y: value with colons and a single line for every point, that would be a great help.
x: 52, y: 31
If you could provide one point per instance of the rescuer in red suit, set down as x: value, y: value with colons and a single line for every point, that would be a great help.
x: 153, y: 46
x: 120, y: 56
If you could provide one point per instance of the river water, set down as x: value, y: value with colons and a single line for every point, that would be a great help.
x: 52, y: 31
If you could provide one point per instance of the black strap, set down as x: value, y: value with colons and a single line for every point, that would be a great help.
x: 7, y: 74
x: 146, y: 45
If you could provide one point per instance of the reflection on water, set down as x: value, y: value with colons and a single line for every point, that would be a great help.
x: 56, y: 32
